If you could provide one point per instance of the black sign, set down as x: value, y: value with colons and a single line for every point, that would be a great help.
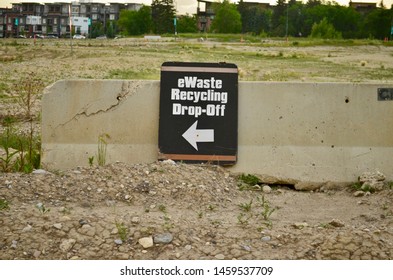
x: 385, y: 94
x: 198, y: 112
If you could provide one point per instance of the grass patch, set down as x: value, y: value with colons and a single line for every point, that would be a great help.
x: 249, y: 179
x: 130, y: 74
x: 4, y: 204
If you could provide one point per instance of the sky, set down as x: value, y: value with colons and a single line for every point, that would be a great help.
x: 183, y: 6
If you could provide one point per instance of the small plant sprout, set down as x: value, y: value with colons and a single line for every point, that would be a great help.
x: 102, y: 145
x: 267, y: 210
x: 4, y: 205
x: 41, y: 208
x: 91, y: 161
x: 211, y: 207
x: 122, y: 231
x: 246, y: 207
x: 242, y: 219
x: 162, y: 208
x: 249, y: 179
x: 6, y: 139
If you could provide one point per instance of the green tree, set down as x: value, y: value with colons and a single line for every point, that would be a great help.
x: 378, y: 23
x: 163, y: 13
x: 187, y: 24
x: 324, y: 30
x: 227, y: 18
x: 136, y: 22
x: 110, y: 29
x: 279, y: 18
x: 254, y: 18
x: 97, y: 29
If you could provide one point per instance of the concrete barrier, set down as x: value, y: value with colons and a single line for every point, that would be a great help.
x: 303, y: 131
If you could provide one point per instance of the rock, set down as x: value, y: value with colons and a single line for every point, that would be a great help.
x: 300, y: 225
x: 83, y: 222
x: 57, y: 226
x: 27, y: 228
x: 118, y: 241
x: 372, y: 181
x: 36, y: 254
x: 188, y: 247
x: 359, y: 193
x: 371, y: 176
x: 246, y: 248
x: 135, y: 220
x: 13, y: 244
x: 307, y: 186
x: 266, y: 189
x: 146, y: 242
x: 270, y: 180
x: 163, y: 238
x: 40, y: 171
x: 219, y: 257
x: 87, y: 230
x: 336, y: 223
x: 169, y: 161
x: 67, y: 244
x: 266, y: 238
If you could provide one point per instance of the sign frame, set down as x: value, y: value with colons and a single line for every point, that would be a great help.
x: 199, y: 112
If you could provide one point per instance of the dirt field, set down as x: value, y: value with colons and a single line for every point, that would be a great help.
x: 167, y: 210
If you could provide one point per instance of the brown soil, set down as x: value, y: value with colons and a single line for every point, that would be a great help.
x: 103, y: 212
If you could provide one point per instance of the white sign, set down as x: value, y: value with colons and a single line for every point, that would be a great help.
x: 33, y: 20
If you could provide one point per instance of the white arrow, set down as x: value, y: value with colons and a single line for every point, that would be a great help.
x: 194, y: 135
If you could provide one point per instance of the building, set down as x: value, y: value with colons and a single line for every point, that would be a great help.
x: 30, y: 19
x: 205, y: 12
x: 363, y: 7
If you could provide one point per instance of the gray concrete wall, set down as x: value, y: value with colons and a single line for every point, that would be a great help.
x: 303, y: 131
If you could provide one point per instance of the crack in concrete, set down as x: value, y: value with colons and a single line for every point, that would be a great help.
x: 128, y: 89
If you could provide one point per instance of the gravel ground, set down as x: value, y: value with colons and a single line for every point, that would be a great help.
x: 168, y: 210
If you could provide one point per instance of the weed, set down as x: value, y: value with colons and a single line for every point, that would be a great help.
x: 27, y: 145
x: 102, y: 145
x: 200, y: 214
x: 267, y: 210
x: 363, y: 187
x: 6, y: 162
x: 323, y: 225
x: 28, y: 89
x: 211, y: 207
x: 242, y: 219
x: 91, y: 161
x: 4, y: 204
x: 216, y: 223
x: 162, y: 208
x: 42, y: 209
x: 357, y: 186
x: 249, y: 179
x: 246, y: 206
x: 122, y: 230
